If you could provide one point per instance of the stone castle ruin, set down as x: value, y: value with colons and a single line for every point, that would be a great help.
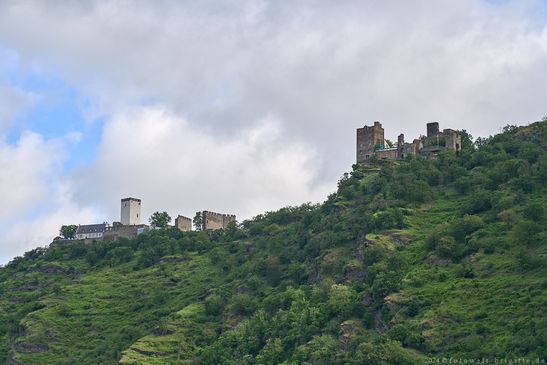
x: 183, y: 223
x: 371, y: 142
x: 212, y: 220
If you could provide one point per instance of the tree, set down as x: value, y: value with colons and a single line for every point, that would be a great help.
x: 198, y: 221
x: 69, y: 231
x: 160, y: 219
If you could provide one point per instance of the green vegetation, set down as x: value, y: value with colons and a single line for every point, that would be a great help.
x: 407, y: 260
x: 68, y: 231
x: 198, y: 221
x: 160, y: 219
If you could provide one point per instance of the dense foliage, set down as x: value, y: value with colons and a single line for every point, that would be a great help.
x: 407, y: 260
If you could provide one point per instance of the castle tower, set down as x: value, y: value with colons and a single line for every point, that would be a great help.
x: 369, y: 139
x: 401, y: 147
x: 453, y: 140
x: 433, y: 129
x: 130, y: 211
x: 183, y: 223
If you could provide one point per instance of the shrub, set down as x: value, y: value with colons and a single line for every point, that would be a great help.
x: 214, y: 305
x: 243, y: 304
x: 342, y: 300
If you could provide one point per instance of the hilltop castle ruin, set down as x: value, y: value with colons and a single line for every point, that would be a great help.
x: 130, y: 225
x: 371, y: 142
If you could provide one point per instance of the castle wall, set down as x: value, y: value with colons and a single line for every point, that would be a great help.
x: 416, y: 146
x: 115, y: 232
x: 212, y: 220
x: 387, y: 154
x: 183, y: 223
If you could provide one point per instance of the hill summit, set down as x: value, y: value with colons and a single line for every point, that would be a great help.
x: 411, y: 261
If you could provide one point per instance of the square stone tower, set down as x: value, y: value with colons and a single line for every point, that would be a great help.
x: 369, y: 139
x: 433, y: 129
x: 183, y: 223
x: 131, y: 212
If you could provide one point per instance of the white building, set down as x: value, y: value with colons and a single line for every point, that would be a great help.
x: 90, y: 231
x: 131, y: 212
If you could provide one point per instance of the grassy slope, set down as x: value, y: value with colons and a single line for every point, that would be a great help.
x: 112, y: 305
x: 330, y: 284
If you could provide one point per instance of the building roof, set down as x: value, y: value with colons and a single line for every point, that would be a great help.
x: 91, y: 228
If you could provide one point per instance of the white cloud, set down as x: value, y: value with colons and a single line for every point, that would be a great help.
x: 323, y: 68
x: 150, y: 153
x: 30, y: 232
x: 36, y: 200
x: 260, y: 99
x: 26, y: 169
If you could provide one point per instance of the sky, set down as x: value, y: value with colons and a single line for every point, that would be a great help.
x: 238, y: 106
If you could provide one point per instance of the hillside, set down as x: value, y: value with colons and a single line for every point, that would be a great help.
x: 406, y: 262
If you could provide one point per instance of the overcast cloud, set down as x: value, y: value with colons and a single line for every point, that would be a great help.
x: 246, y: 106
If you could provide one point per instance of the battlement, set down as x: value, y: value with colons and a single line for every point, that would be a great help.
x: 130, y: 199
x: 213, y: 220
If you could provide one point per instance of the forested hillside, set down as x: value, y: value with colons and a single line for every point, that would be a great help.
x: 407, y: 261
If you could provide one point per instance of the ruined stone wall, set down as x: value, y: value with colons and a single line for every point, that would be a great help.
x: 416, y: 146
x: 387, y: 154
x: 401, y: 153
x: 212, y: 220
x: 368, y: 138
x: 453, y: 140
x: 183, y: 223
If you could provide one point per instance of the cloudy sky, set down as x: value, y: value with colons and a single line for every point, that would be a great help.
x: 237, y: 106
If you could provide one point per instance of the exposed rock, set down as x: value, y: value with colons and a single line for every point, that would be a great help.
x: 399, y: 239
x: 379, y: 325
x: 11, y: 360
x: 174, y: 259
x: 54, y: 270
x: 367, y: 300
x: 353, y: 272
x: 348, y: 330
x: 244, y: 290
x: 161, y: 331
x: 437, y: 261
x: 30, y: 348
x: 360, y: 252
x: 148, y: 352
x: 384, y: 203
